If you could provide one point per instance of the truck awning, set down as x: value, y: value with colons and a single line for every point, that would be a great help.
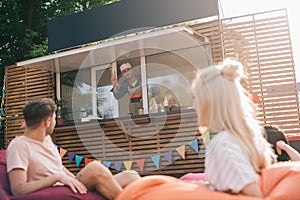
x: 147, y: 43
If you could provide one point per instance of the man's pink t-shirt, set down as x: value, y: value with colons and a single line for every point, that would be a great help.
x: 38, y: 159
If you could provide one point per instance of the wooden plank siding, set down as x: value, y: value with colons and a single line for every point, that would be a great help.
x: 22, y: 85
x: 262, y: 42
x: 126, y: 139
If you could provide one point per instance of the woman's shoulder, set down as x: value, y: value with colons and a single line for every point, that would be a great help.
x: 224, y: 141
x: 223, y: 137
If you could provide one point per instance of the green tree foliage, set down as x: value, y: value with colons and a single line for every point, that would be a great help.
x: 23, y: 30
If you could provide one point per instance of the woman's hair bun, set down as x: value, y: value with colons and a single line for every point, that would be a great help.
x: 232, y: 69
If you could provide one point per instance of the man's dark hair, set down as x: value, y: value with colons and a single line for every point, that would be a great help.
x: 274, y: 134
x: 37, y: 110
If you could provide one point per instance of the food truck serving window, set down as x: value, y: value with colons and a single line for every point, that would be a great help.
x: 162, y: 84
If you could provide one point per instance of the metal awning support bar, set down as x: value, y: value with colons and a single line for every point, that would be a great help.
x: 57, y: 79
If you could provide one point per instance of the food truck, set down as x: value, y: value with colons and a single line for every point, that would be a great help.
x: 162, y: 136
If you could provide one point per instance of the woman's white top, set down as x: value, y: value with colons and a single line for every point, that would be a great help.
x: 227, y: 164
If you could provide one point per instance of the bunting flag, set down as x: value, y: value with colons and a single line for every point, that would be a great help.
x: 128, y: 164
x: 62, y: 152
x: 205, y: 137
x: 181, y: 151
x: 97, y: 161
x: 87, y: 161
x: 71, y: 156
x: 194, y: 145
x: 2, y: 101
x: 23, y: 125
x: 118, y: 165
x: 106, y: 164
x: 78, y: 160
x: 255, y: 98
x: 156, y: 160
x: 2, y: 113
x: 168, y: 156
x: 141, y: 163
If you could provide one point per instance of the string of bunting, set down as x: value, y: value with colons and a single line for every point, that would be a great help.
x: 128, y: 164
x: 2, y: 111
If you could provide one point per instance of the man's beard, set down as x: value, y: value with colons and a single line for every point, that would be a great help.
x: 129, y: 76
x: 49, y: 130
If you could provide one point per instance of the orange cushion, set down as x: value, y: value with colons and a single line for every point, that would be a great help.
x: 160, y: 187
x: 280, y: 181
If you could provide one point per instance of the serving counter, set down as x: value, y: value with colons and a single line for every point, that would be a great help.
x: 165, y: 143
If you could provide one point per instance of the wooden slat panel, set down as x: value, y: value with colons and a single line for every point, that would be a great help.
x: 264, y: 46
x: 269, y: 72
x: 253, y: 37
x: 230, y: 23
x: 23, y: 84
x: 212, y: 31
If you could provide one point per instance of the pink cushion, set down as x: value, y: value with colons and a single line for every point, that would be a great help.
x: 58, y: 192
x: 4, y: 183
x: 193, y: 177
x: 2, y: 157
x: 3, y: 194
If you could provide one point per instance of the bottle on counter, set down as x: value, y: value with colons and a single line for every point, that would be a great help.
x: 166, y: 104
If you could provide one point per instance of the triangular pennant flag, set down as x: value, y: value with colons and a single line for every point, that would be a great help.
x: 194, y: 145
x: 141, y: 163
x: 128, y: 164
x: 97, y: 161
x: 118, y: 165
x: 168, y: 156
x: 71, y: 156
x: 205, y: 137
x: 87, y: 161
x: 181, y: 151
x: 78, y: 160
x: 255, y: 98
x: 156, y: 160
x: 62, y: 152
x: 23, y: 125
x: 106, y: 164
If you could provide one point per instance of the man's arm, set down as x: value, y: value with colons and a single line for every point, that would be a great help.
x: 68, y: 172
x: 119, y: 89
x: 19, y: 184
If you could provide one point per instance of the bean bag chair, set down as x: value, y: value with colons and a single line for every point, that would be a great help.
x: 57, y: 192
x: 281, y: 181
x: 278, y: 182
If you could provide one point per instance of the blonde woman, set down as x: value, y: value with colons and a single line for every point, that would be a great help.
x: 238, y: 152
x: 237, y: 157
